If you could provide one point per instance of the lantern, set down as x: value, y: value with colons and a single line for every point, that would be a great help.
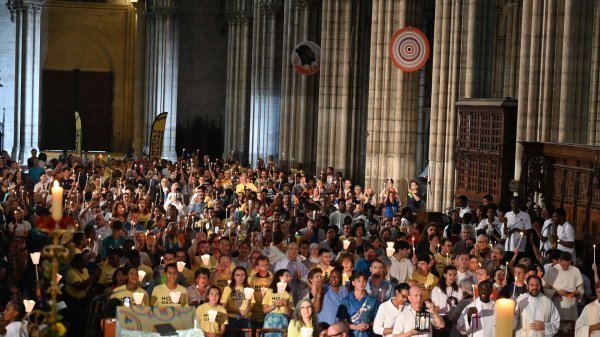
x: 422, y: 320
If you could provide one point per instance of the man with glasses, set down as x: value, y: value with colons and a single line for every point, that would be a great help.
x: 389, y: 310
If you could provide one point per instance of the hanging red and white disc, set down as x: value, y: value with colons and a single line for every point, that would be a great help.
x: 409, y: 49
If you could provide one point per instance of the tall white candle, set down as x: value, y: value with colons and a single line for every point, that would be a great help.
x: 57, y: 199
x: 594, y: 254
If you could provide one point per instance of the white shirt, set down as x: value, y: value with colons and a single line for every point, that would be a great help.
x: 485, y: 222
x: 546, y: 231
x: 14, y: 329
x: 521, y: 221
x: 566, y: 232
x: 385, y: 317
x: 400, y: 270
x: 440, y: 298
x: 405, y: 321
x: 464, y: 210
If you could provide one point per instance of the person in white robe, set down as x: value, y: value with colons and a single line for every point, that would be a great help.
x: 535, y: 313
x: 588, y: 323
x: 564, y: 284
x: 478, y: 318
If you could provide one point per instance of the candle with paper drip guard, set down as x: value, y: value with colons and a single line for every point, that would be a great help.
x: 306, y: 331
x: 281, y: 287
x: 346, y: 244
x: 248, y: 293
x: 138, y: 298
x: 205, y: 259
x: 58, y: 277
x: 175, y: 295
x: 141, y: 275
x: 29, y: 304
x: 212, y: 317
x: 35, y: 258
x: 180, y: 266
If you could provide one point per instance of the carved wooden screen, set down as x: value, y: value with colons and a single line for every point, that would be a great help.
x: 485, y: 148
x: 570, y: 180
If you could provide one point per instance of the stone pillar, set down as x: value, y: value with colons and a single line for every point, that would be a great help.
x: 27, y: 76
x: 266, y: 85
x: 237, y: 110
x: 297, y: 140
x: 393, y: 109
x: 162, y: 66
x: 139, y: 26
x: 444, y: 93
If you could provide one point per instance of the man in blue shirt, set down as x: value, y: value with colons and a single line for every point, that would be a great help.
x: 364, y: 264
x: 377, y: 286
x: 358, y: 309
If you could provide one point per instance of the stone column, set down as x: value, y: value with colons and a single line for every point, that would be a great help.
x: 162, y: 66
x: 237, y: 109
x: 27, y: 76
x: 139, y: 25
x: 297, y: 140
x: 266, y: 85
x: 393, y: 109
x: 444, y: 93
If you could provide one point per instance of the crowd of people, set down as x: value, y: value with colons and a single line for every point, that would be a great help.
x: 272, y: 247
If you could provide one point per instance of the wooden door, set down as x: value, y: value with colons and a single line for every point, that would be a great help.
x: 89, y: 93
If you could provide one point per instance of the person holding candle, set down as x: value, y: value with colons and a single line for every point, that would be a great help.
x: 535, y: 314
x: 405, y: 326
x: 446, y: 293
x: 162, y: 294
x: 234, y: 301
x: 130, y: 287
x: 517, y: 228
x: 423, y: 277
x: 277, y: 303
x: 304, y: 320
x: 518, y: 287
x: 377, y: 286
x: 477, y: 319
x: 212, y: 326
x: 259, y: 281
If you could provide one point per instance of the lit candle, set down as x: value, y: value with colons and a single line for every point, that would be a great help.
x: 57, y: 198
x: 594, y: 254
x: 447, y: 258
x: 505, y: 310
x: 521, y: 238
x: 473, y: 289
x: 438, y: 248
x: 413, y: 240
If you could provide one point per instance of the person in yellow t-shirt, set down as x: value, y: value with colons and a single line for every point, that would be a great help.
x: 278, y: 305
x: 325, y: 263
x: 234, y: 301
x: 304, y: 316
x: 260, y: 282
x: 216, y: 328
x: 423, y: 277
x: 161, y: 295
x: 106, y: 274
x: 127, y: 290
x: 222, y: 273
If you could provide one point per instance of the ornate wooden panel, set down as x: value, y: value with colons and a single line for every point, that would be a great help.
x: 485, y: 148
x: 571, y: 180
